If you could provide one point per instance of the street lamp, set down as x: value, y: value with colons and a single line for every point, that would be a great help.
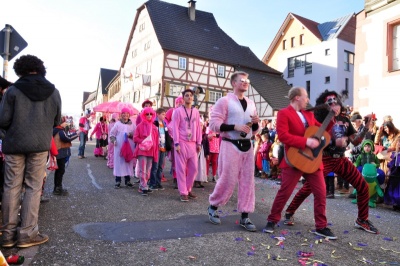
x: 158, y: 95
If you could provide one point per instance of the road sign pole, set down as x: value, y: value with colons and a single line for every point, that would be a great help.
x: 7, y: 31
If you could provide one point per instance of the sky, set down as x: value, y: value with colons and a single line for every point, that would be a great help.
x: 75, y: 38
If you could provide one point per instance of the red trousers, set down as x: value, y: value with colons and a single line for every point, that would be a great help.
x: 344, y: 168
x: 213, y: 158
x: 290, y: 178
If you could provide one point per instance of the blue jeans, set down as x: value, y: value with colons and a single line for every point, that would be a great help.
x: 157, y: 169
x: 82, y: 144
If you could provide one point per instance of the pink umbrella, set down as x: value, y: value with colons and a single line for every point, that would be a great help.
x: 115, y: 107
x: 132, y: 109
x: 107, y: 107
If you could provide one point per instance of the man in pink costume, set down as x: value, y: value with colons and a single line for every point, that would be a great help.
x: 292, y: 123
x: 187, y: 143
x: 235, y: 118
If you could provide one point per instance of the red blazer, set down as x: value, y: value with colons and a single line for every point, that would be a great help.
x: 291, y: 129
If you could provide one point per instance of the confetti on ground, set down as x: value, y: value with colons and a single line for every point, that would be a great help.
x: 388, y: 238
x: 364, y: 260
x: 198, y: 235
x: 248, y: 239
x: 333, y: 256
x: 345, y: 232
x: 250, y: 253
x: 238, y: 239
x: 163, y: 249
x: 192, y: 257
x: 363, y: 245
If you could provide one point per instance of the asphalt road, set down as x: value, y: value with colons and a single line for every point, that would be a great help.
x: 99, y: 225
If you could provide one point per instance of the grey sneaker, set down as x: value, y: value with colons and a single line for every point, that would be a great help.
x: 39, y: 239
x: 289, y: 219
x: 269, y: 228
x: 117, y: 185
x: 248, y: 225
x: 213, y: 216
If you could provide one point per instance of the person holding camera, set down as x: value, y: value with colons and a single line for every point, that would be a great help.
x: 62, y: 139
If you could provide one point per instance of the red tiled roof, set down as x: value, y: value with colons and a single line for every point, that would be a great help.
x: 309, y: 24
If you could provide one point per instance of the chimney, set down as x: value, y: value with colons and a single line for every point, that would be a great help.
x: 192, y: 10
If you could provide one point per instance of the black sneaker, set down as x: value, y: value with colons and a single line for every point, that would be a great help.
x: 366, y: 225
x: 159, y: 187
x: 326, y: 233
x: 143, y: 192
x: 330, y: 196
x: 269, y: 228
x: 248, y: 225
x: 289, y: 219
x: 213, y: 216
x: 59, y: 191
x: 128, y: 184
x: 117, y: 185
x: 149, y: 190
x: 153, y: 188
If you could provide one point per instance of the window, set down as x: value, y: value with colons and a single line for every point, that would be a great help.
x: 284, y: 44
x: 221, y: 71
x: 333, y: 30
x: 137, y: 73
x: 308, y: 64
x: 348, y: 60
x: 308, y: 87
x: 291, y: 67
x: 327, y: 52
x: 141, y: 27
x: 136, y: 96
x: 176, y: 90
x: 292, y: 40
x: 301, y: 39
x: 393, y: 46
x: 327, y: 80
x: 148, y: 67
x: 134, y: 53
x: 214, y: 96
x: 299, y: 61
x: 182, y: 63
x: 346, y: 84
x: 147, y: 45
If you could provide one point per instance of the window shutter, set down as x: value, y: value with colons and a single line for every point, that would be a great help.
x: 207, y: 97
x: 166, y: 92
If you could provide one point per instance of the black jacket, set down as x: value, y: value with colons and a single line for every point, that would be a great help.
x: 168, y: 140
x: 29, y: 110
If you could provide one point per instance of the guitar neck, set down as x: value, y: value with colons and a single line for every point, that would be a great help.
x: 325, y: 124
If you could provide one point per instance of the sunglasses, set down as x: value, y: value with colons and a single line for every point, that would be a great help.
x: 149, y: 114
x: 331, y: 100
x: 243, y: 80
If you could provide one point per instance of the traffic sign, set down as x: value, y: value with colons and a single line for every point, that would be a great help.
x: 15, y: 43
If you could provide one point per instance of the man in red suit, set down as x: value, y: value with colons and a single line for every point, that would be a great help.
x: 292, y: 123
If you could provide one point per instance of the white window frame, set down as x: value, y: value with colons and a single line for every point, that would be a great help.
x: 182, y: 63
x: 176, y: 89
x: 213, y: 96
x: 221, y: 71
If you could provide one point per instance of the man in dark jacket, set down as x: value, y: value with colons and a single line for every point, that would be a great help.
x: 30, y: 109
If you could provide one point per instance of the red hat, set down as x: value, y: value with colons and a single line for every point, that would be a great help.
x: 147, y: 101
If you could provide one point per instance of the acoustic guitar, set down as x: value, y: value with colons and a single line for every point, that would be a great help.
x: 309, y: 160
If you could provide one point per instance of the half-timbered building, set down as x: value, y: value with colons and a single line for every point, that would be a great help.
x: 171, y: 48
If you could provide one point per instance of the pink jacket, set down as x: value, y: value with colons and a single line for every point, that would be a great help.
x: 143, y: 130
x: 99, y: 129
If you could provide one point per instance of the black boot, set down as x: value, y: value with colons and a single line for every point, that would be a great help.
x: 59, y: 191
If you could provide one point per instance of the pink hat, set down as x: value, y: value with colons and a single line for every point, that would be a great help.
x: 179, y: 100
x: 126, y: 110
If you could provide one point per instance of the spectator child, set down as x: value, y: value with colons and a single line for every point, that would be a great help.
x: 264, y: 150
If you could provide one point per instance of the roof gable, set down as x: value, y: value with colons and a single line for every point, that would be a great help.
x: 106, y: 75
x: 201, y: 38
